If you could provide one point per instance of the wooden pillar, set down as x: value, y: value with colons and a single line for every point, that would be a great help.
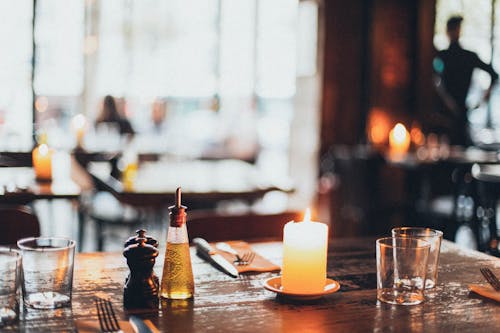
x: 377, y: 56
x: 345, y: 57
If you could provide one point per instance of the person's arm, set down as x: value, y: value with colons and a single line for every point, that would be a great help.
x: 441, y: 90
x: 494, y: 76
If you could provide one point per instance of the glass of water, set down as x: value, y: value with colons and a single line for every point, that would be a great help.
x: 434, y: 237
x: 48, y: 271
x: 10, y: 265
x: 401, y: 269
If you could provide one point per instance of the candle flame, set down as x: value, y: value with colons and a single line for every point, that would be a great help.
x: 43, y: 149
x: 399, y: 133
x: 307, y: 215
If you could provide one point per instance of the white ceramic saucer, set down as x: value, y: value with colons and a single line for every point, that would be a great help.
x: 274, y: 284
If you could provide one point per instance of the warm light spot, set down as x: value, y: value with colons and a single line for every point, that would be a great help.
x: 399, y: 132
x: 417, y: 137
x: 41, y: 104
x: 307, y: 215
x: 378, y: 126
x: 377, y: 134
x: 43, y: 149
x: 399, y: 139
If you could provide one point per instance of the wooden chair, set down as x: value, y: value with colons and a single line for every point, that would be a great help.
x: 17, y: 222
x: 215, y: 227
x: 100, y: 205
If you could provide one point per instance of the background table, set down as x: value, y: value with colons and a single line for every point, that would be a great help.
x: 203, y: 183
x: 222, y: 303
x: 19, y: 186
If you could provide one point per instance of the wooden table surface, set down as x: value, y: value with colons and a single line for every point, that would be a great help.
x: 222, y: 303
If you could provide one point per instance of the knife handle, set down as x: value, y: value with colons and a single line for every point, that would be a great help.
x: 202, y: 246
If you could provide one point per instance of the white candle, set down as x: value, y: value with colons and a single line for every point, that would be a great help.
x: 305, y: 246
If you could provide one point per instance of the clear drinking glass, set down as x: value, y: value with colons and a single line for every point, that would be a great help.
x: 401, y: 269
x: 10, y: 277
x: 432, y: 236
x: 48, y: 271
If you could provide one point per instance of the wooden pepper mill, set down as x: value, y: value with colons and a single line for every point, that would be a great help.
x: 141, y: 285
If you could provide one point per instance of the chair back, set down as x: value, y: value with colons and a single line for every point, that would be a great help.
x: 215, y: 227
x: 17, y: 222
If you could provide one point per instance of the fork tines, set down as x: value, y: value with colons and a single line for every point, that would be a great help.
x: 106, y: 315
x: 246, y: 258
x: 491, y: 278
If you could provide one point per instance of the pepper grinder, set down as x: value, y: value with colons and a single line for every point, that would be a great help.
x: 141, y: 285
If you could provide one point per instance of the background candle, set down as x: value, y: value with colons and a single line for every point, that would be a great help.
x: 399, y: 139
x: 79, y: 124
x: 42, y: 162
x: 304, y: 256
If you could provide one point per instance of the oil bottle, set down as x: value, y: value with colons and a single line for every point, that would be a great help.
x: 177, y: 280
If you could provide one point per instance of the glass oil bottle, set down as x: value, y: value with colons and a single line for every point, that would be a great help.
x: 177, y: 281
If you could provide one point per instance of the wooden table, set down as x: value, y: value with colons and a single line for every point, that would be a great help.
x: 454, y: 156
x: 222, y: 303
x: 203, y: 182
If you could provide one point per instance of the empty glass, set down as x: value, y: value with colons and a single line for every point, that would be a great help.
x: 401, y: 269
x: 432, y: 236
x: 48, y: 271
x: 10, y: 265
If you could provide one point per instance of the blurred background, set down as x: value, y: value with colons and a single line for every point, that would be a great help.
x: 305, y: 91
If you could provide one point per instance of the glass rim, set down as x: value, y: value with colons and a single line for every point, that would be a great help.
x: 436, y: 232
x: 13, y: 253
x: 425, y: 244
x: 20, y: 244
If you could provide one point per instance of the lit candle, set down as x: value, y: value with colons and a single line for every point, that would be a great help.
x: 304, y: 256
x: 399, y: 139
x: 79, y: 123
x: 42, y: 162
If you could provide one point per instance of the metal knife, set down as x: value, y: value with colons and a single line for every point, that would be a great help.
x: 205, y: 251
x: 138, y: 325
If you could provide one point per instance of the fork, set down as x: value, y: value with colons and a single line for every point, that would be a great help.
x: 491, y: 278
x: 245, y: 259
x: 107, y: 316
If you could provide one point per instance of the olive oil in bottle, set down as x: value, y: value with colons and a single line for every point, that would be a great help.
x: 177, y: 281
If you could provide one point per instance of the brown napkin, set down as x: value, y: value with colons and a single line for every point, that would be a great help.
x: 485, y: 291
x: 92, y: 326
x: 258, y: 264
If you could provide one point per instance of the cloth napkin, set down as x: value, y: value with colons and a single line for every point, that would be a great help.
x: 485, y: 291
x: 92, y: 326
x: 258, y: 264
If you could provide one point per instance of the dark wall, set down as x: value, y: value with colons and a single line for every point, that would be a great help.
x: 377, y: 55
x: 377, y: 58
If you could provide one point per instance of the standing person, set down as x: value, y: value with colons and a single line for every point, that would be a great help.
x: 453, y: 68
x: 109, y: 114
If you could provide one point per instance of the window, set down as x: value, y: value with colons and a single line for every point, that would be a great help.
x: 15, y: 81
x: 226, y: 68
